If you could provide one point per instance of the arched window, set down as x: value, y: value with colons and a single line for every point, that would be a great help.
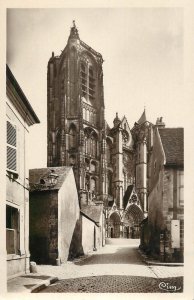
x: 93, y: 143
x: 87, y: 115
x: 91, y: 72
x: 88, y: 145
x: 73, y: 87
x: 72, y: 136
x: 83, y: 67
x: 87, y: 183
x: 87, y: 164
x: 85, y: 144
x: 93, y: 185
x: 84, y: 113
x: 83, y: 79
x: 94, y: 118
x: 91, y: 83
x: 91, y: 118
x: 87, y: 77
x: 93, y: 167
x: 108, y: 151
x: 125, y: 180
x: 110, y: 183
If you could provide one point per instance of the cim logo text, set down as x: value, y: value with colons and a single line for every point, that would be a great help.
x: 166, y: 286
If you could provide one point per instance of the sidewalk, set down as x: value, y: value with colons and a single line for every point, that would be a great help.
x: 29, y: 283
x: 46, y: 275
x: 163, y: 269
x: 150, y: 261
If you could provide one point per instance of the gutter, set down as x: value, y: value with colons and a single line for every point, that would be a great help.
x: 21, y: 94
x: 97, y: 223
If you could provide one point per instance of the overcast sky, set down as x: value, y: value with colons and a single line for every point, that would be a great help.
x: 143, y: 60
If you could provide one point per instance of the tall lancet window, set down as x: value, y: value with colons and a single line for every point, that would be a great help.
x: 94, y: 145
x: 88, y: 79
x: 72, y: 137
x: 73, y: 81
x: 110, y: 183
x: 91, y: 83
x: 93, y: 185
x: 85, y: 144
x: 83, y: 79
x: 108, y: 151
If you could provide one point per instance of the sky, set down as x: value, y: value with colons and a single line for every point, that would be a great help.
x: 143, y: 64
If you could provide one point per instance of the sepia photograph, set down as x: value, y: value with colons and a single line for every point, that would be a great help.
x: 95, y: 150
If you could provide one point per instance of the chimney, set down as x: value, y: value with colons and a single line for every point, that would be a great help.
x: 160, y: 123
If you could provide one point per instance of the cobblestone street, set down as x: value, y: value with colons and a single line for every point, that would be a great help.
x: 117, y: 267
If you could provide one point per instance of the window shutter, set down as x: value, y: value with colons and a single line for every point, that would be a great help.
x: 11, y: 147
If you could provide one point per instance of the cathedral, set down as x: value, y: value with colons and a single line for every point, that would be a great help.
x: 111, y: 164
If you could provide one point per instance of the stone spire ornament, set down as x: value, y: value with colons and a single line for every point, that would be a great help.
x: 74, y: 32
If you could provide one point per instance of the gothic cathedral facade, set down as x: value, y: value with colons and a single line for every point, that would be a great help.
x: 110, y: 164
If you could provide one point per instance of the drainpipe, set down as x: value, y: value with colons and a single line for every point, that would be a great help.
x: 25, y: 242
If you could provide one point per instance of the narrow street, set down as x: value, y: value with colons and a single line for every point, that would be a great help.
x: 116, y: 268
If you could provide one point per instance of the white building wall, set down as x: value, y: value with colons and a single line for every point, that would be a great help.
x: 17, y: 195
x: 68, y: 215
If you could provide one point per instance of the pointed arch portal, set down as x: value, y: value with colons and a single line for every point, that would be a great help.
x: 131, y: 222
x: 114, y: 225
x: 126, y: 227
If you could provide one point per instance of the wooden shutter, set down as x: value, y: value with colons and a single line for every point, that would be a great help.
x: 11, y: 147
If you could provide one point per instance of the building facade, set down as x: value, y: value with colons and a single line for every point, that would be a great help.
x: 103, y: 158
x: 166, y: 195
x: 76, y: 135
x: 19, y: 116
x: 54, y: 213
x: 112, y: 165
x: 57, y: 225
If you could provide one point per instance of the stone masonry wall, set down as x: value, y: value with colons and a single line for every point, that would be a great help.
x: 155, y: 216
x: 172, y: 211
x: 43, y: 226
x: 163, y: 208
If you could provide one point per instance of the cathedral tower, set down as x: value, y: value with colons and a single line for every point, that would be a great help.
x: 142, y: 134
x: 76, y: 126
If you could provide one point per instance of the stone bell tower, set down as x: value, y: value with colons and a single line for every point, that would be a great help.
x: 142, y: 134
x: 76, y: 125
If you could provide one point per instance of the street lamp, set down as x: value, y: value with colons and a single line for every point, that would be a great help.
x: 52, y: 178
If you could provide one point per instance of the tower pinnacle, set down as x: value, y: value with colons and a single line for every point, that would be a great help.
x: 74, y: 32
x: 143, y: 117
x: 116, y: 121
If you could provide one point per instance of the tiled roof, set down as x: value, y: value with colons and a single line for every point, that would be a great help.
x: 93, y: 212
x: 35, y: 175
x: 173, y: 144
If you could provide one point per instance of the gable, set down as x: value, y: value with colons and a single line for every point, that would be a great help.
x: 173, y: 144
